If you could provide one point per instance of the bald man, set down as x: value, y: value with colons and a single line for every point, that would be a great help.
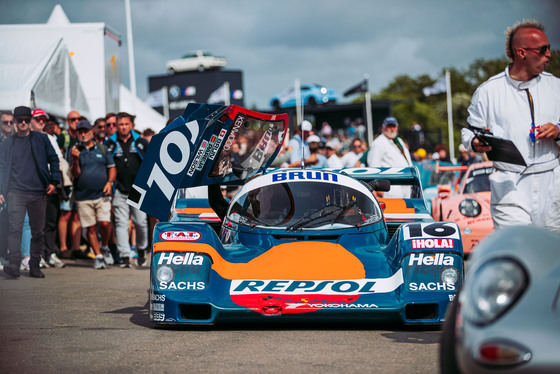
x: 522, y: 104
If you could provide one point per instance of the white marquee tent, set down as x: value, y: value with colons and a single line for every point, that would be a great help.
x: 61, y: 66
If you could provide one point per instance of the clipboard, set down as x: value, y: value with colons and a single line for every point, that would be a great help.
x: 503, y: 150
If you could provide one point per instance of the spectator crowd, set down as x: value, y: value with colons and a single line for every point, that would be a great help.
x: 63, y: 189
x: 74, y: 205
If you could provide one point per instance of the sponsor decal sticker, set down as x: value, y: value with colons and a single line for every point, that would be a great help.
x: 424, y: 259
x: 436, y: 230
x: 323, y: 287
x: 431, y: 243
x: 159, y: 317
x: 197, y: 161
x: 173, y: 259
x: 304, y: 175
x: 431, y: 286
x: 188, y: 286
x: 158, y: 297
x: 157, y: 307
x: 188, y: 236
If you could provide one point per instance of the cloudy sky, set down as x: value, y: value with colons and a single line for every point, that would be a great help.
x: 317, y: 41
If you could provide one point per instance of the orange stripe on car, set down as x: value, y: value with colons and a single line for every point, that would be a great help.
x: 396, y: 206
x: 294, y: 261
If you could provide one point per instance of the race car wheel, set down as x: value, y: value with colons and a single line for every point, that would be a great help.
x: 447, y: 359
x: 276, y: 105
x: 312, y: 101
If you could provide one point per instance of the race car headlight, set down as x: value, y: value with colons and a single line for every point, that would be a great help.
x: 469, y: 208
x: 449, y: 275
x: 494, y: 288
x: 164, y: 274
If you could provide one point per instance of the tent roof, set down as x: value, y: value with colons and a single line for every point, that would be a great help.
x: 45, y: 78
x: 146, y: 116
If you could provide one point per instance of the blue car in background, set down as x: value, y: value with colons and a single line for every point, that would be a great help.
x: 311, y: 94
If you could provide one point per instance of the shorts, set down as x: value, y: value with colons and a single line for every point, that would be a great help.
x: 93, y: 211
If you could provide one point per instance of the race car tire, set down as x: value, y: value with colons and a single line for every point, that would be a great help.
x: 447, y: 357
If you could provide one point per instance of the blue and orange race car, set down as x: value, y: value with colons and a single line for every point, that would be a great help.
x: 295, y: 244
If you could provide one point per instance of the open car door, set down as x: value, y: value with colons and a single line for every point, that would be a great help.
x: 209, y: 144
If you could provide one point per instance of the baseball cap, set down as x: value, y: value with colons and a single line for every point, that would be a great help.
x: 83, y: 125
x: 39, y: 113
x: 22, y: 111
x: 390, y: 121
x: 313, y: 139
x: 306, y: 125
x: 331, y: 145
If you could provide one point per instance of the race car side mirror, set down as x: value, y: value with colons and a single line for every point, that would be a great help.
x: 380, y: 185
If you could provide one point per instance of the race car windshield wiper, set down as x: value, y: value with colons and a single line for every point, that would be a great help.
x: 308, y: 219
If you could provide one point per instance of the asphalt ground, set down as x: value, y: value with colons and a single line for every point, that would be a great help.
x: 81, y: 320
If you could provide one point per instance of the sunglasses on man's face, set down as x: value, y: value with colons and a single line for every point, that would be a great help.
x: 7, y: 123
x: 542, y: 50
x: 23, y: 119
x: 111, y: 124
x: 73, y: 119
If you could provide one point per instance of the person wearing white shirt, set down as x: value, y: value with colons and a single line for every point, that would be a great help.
x: 350, y: 158
x: 388, y: 150
x: 522, y: 104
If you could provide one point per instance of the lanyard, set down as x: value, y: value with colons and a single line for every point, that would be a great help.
x: 531, y: 105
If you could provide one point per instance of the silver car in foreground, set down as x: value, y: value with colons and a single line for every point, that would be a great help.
x: 507, y: 315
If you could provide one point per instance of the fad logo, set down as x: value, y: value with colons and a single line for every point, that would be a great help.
x: 431, y: 286
x: 429, y: 260
x: 187, y: 259
x: 432, y: 243
x: 186, y: 236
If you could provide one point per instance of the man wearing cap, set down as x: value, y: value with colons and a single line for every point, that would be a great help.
x: 68, y: 214
x: 332, y: 158
x: 94, y: 173
x: 29, y: 172
x: 40, y: 123
x: 388, y: 150
x: 314, y: 143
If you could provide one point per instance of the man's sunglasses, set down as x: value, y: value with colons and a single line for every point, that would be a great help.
x: 7, y: 122
x: 111, y: 124
x: 23, y: 119
x: 542, y: 50
x: 73, y: 119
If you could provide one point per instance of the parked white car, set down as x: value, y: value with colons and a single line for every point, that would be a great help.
x: 196, y: 60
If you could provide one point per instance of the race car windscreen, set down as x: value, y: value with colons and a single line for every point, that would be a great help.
x: 478, y: 181
x: 305, y: 205
x: 249, y: 144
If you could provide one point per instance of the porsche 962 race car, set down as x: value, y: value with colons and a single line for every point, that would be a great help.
x: 295, y: 244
